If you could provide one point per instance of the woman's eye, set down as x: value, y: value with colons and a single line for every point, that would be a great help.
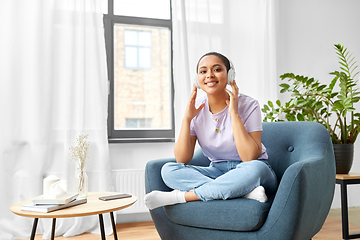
x: 202, y: 72
x: 217, y: 70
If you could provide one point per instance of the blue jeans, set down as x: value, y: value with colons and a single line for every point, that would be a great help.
x: 221, y: 180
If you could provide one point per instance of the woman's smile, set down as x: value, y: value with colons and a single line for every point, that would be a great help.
x: 211, y: 83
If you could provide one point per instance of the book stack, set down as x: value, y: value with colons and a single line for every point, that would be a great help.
x: 41, y: 204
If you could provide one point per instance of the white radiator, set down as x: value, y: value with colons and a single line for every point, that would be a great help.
x: 131, y: 181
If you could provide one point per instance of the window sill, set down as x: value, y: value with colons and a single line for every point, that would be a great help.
x: 140, y: 140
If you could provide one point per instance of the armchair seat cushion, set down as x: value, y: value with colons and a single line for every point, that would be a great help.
x: 238, y: 214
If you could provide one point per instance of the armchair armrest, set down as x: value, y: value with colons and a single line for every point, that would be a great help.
x: 153, y: 179
x: 300, y: 195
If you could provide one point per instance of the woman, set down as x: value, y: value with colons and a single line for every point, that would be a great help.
x: 228, y: 127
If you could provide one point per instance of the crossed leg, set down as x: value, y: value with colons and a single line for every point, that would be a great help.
x: 208, y: 184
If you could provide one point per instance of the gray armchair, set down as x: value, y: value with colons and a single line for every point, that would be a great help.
x: 301, y: 154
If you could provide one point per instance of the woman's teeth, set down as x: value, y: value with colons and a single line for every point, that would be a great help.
x: 211, y: 84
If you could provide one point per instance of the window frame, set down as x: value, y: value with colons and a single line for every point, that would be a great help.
x: 138, y: 135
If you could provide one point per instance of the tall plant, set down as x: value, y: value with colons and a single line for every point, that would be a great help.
x: 313, y: 101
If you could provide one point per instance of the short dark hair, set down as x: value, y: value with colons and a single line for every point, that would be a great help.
x: 224, y: 59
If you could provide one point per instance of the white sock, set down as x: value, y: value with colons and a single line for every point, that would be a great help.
x: 257, y: 194
x: 157, y: 199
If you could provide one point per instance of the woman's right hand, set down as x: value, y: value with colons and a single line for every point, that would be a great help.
x: 191, y: 110
x: 185, y: 145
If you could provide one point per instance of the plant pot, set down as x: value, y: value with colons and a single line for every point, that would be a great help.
x: 344, y: 154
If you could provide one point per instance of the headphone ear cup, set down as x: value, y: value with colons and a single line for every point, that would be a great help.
x: 196, y: 81
x: 231, y: 73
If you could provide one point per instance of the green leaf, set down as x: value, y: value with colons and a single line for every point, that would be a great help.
x: 287, y: 75
x: 290, y: 117
x: 321, y: 87
x: 270, y: 104
x: 300, y: 117
x: 310, y: 117
x: 337, y: 105
x: 311, y: 80
x: 333, y: 82
x: 344, y: 113
x: 284, y: 85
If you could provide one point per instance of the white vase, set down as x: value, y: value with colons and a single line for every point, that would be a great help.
x: 81, y: 182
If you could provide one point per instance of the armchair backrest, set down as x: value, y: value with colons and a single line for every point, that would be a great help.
x: 287, y: 143
x: 290, y: 142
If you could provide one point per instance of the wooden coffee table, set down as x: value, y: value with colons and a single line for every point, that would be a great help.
x: 94, y: 206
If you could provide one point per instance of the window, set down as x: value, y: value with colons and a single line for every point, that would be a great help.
x: 137, y: 46
x: 138, y: 36
x: 138, y: 122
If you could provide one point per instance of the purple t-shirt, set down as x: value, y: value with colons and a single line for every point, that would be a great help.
x: 214, y: 131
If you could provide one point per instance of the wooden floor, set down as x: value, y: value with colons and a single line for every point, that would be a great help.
x: 146, y: 231
x: 128, y: 231
x: 332, y: 230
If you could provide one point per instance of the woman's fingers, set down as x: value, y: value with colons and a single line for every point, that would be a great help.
x: 234, y: 87
x: 231, y: 94
x: 194, y: 87
x: 193, y: 95
x: 200, y: 107
x: 192, y: 111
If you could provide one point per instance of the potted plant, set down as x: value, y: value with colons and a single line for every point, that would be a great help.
x: 313, y: 101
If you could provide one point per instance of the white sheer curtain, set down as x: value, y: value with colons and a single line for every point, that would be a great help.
x: 243, y: 30
x: 53, y: 86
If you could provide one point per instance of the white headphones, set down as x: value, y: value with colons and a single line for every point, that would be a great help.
x: 231, y: 75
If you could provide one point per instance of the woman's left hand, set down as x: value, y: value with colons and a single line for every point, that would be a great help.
x: 234, y: 98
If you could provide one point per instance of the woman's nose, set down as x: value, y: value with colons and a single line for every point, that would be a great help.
x: 210, y: 74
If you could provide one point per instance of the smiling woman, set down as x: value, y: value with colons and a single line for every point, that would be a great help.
x: 238, y: 160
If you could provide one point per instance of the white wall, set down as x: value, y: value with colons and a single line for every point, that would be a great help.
x: 135, y: 156
x: 307, y: 31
